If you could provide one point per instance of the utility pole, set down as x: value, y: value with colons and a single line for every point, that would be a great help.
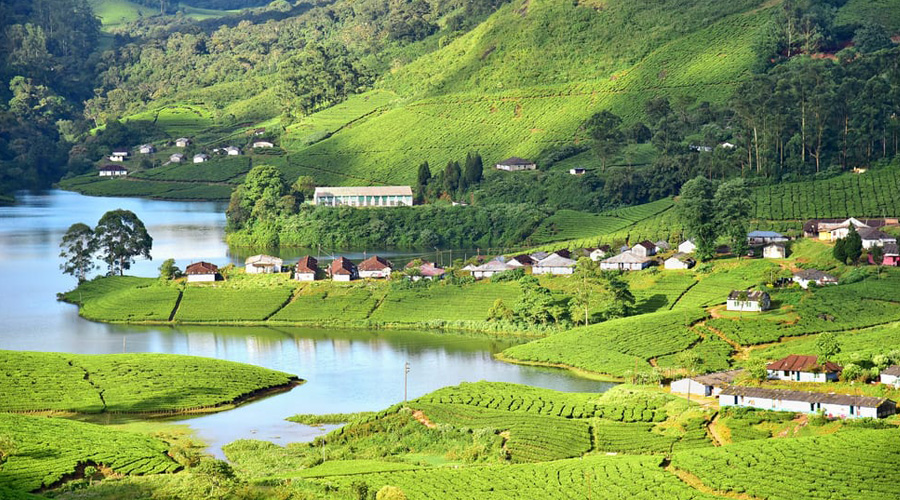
x: 405, y: 378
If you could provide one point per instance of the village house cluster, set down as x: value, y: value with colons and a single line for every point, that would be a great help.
x: 119, y: 156
x: 307, y: 269
x: 797, y: 369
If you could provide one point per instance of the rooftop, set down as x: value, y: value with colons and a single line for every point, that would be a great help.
x: 515, y: 160
x: 374, y: 263
x: 765, y: 234
x: 201, y: 268
x: 752, y: 295
x: 814, y: 275
x: 718, y: 379
x: 809, y: 397
x: 307, y: 264
x: 796, y: 363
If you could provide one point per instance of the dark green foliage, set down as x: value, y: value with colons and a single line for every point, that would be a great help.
x: 871, y: 37
x: 120, y: 237
x: 78, y: 246
x: 697, y: 212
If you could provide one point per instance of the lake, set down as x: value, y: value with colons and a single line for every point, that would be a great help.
x: 345, y: 370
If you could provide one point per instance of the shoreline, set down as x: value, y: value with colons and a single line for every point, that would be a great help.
x: 591, y: 375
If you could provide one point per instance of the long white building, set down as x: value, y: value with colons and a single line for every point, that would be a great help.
x: 832, y: 405
x: 364, y: 196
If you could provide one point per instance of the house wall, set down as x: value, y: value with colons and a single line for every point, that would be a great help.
x: 341, y: 277
x: 690, y: 386
x: 890, y: 379
x: 516, y: 168
x: 305, y: 276
x: 773, y: 253
x: 736, y: 305
x: 675, y: 264
x: 597, y: 255
x: 364, y: 201
x: 386, y: 273
x: 192, y: 278
x: 262, y: 270
x: 831, y: 410
x: 687, y: 247
x: 793, y: 376
x: 552, y: 270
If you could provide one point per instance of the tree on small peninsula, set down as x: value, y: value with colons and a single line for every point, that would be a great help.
x: 120, y: 238
x: 77, y: 248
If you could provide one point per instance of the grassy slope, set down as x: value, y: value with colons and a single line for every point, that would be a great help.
x: 126, y: 382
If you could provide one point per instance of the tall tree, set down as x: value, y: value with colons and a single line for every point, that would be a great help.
x: 452, y: 174
x: 585, y: 298
x: 77, y: 248
x: 733, y: 209
x: 853, y: 245
x: 474, y: 169
x: 607, y: 137
x: 534, y: 306
x: 697, y: 213
x: 121, y: 237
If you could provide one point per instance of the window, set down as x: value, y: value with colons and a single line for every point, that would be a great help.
x: 851, y: 409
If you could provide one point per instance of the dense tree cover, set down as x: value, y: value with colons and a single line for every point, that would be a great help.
x: 46, y: 53
x: 77, y: 249
x: 315, y: 56
x: 708, y: 210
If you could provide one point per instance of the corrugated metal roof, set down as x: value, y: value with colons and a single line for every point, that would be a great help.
x: 201, y: 268
x: 628, y: 258
x: 307, y: 265
x: 892, y: 370
x: 808, y: 397
x: 374, y: 263
x: 718, y: 379
x: 515, y: 160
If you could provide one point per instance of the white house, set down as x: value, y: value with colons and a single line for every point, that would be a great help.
x: 515, y: 164
x: 746, y: 300
x: 765, y: 237
x: 662, y: 246
x: 577, y: 171
x: 707, y: 385
x: 364, y: 196
x: 832, y: 405
x: 796, y: 368
x: 113, y: 171
x: 727, y: 145
x: 201, y: 272
x: 554, y: 264
x: 874, y: 238
x: 182, y: 142
x: 118, y: 156
x: 262, y: 264
x: 176, y: 158
x: 807, y: 276
x: 539, y: 256
x: 306, y: 269
x: 833, y: 231
x: 645, y: 248
x: 775, y: 251
x: 491, y: 268
x: 146, y: 149
x: 680, y: 261
x: 200, y: 158
x: 262, y: 144
x: 687, y: 247
x: 891, y: 375
x: 522, y: 261
x: 375, y: 267
x: 233, y: 151
x: 342, y: 269
x: 625, y: 261
x: 598, y: 254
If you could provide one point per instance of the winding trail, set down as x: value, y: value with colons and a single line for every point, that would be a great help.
x: 695, y: 483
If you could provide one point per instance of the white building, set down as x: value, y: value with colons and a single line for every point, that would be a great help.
x: 554, y: 264
x: 306, y: 269
x: 687, y: 247
x: 832, y: 405
x: 364, y: 196
x: 707, y: 385
x: 262, y: 264
x: 118, y: 156
x: 233, y: 151
x: 577, y: 171
x: 645, y: 248
x: 491, y: 268
x: 774, y: 251
x: 680, y: 261
x: 176, y: 158
x: 746, y: 300
x: 874, y: 238
x: 113, y: 171
x: 516, y: 164
x: 625, y: 261
x: 262, y: 144
x: 375, y: 267
x: 891, y: 375
x: 201, y: 272
x: 598, y: 254
x: 807, y: 276
x: 342, y: 269
x: 200, y: 158
x: 765, y: 237
x: 146, y: 149
x: 796, y: 368
x: 182, y: 142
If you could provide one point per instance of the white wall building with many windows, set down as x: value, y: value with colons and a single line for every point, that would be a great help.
x: 365, y: 196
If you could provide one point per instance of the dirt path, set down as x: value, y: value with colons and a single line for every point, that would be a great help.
x: 740, y: 352
x: 423, y: 419
x: 714, y: 432
x: 695, y: 482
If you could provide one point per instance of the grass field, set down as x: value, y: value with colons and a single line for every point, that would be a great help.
x: 126, y: 383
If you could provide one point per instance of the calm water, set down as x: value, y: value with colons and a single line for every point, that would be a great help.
x: 346, y: 370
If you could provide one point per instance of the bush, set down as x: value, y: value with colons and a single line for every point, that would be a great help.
x: 390, y: 493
